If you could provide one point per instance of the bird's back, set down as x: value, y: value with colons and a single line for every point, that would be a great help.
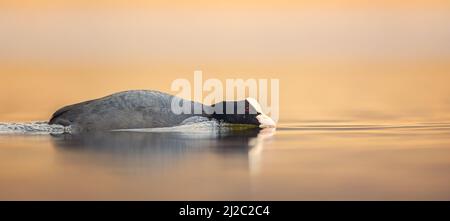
x: 124, y: 110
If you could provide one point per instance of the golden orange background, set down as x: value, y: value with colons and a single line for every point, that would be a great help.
x: 336, y: 60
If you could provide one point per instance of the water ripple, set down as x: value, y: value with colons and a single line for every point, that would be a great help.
x: 363, y: 127
x: 38, y: 127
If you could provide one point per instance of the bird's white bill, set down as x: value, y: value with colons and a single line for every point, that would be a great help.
x: 265, y: 121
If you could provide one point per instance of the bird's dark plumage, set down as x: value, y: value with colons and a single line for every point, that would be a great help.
x: 124, y: 110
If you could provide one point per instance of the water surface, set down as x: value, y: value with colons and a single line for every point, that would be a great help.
x: 297, y: 161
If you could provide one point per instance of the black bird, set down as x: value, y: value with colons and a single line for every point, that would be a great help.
x: 152, y: 109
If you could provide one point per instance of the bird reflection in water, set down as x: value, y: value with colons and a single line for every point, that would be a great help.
x: 163, y: 149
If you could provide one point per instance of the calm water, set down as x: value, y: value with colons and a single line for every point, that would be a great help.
x: 297, y: 161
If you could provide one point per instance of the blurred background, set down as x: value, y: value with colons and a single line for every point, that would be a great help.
x: 364, y: 98
x: 336, y: 60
